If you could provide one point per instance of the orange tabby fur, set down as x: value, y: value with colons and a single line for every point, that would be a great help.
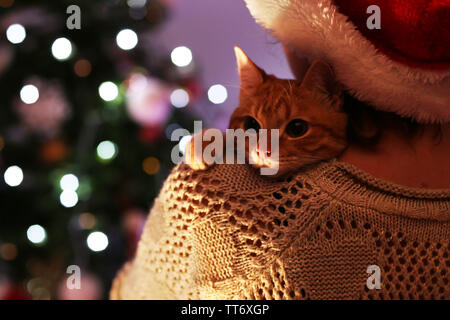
x: 274, y: 103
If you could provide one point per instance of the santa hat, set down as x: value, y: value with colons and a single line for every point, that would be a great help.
x: 403, y: 67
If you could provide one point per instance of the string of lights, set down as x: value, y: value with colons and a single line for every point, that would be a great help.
x: 85, y: 137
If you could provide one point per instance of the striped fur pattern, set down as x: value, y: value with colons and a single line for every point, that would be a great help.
x: 275, y: 103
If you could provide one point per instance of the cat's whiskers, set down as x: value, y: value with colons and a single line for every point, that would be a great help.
x: 286, y: 90
x: 233, y: 86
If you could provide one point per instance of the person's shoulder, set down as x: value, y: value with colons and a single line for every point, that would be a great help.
x: 231, y: 179
x: 238, y: 195
x: 260, y: 215
x: 239, y: 181
x: 234, y: 215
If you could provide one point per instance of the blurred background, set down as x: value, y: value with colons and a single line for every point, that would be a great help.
x: 86, y: 117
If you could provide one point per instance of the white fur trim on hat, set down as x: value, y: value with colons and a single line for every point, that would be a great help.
x: 316, y: 29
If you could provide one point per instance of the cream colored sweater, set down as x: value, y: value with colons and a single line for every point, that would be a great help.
x: 228, y: 233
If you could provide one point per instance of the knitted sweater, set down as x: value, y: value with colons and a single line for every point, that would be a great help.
x: 228, y: 233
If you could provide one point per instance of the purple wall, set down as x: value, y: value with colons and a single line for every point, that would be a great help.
x: 210, y: 28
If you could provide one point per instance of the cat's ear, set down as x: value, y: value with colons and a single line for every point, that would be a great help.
x: 250, y: 74
x: 321, y: 80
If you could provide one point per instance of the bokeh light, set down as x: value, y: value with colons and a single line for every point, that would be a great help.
x: 86, y: 221
x: 68, y: 198
x: 183, y: 143
x: 97, y: 241
x: 127, y: 39
x: 38, y: 288
x: 29, y: 94
x: 69, y: 182
x: 8, y: 251
x: 106, y: 150
x: 136, y: 3
x: 170, y: 128
x: 181, y: 56
x: 13, y: 176
x: 6, y: 3
x: 36, y: 234
x: 217, y: 94
x: 62, y: 49
x: 151, y: 165
x: 179, y: 98
x: 108, y: 91
x: 82, y: 68
x: 16, y: 33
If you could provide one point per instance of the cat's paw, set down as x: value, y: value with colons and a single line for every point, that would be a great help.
x: 194, y: 160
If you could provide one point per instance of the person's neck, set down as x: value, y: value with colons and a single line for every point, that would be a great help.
x: 419, y: 162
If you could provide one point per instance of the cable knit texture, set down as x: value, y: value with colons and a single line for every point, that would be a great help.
x: 228, y: 233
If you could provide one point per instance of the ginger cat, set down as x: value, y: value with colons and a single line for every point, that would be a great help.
x: 308, y: 114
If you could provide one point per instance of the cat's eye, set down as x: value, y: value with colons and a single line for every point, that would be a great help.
x: 297, y: 128
x: 251, y: 123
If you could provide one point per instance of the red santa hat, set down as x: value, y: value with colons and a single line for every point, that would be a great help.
x: 403, y: 67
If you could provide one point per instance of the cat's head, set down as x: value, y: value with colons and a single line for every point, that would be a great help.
x: 309, y: 114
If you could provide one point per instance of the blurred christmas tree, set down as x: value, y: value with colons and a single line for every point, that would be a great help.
x: 85, y: 122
